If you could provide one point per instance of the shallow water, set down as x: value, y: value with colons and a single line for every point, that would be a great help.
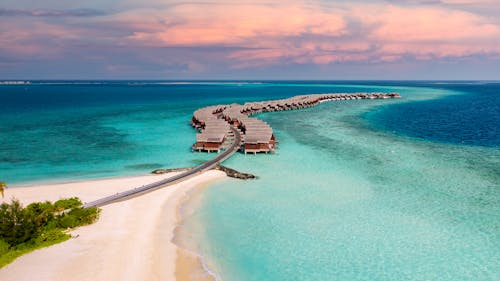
x: 355, y: 191
x: 343, y: 200
x: 64, y: 130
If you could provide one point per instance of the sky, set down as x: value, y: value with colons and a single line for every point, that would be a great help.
x: 252, y: 40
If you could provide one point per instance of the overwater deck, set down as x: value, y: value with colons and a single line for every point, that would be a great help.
x: 213, y: 122
x: 230, y: 128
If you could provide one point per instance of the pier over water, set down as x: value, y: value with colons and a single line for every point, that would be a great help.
x: 230, y: 128
x: 213, y: 122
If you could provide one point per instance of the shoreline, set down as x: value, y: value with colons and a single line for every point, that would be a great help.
x: 132, y: 240
x: 190, y: 264
x: 60, y: 181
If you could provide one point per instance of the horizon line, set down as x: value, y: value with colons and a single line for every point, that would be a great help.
x: 253, y: 80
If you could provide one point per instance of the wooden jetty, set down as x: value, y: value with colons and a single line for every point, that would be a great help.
x: 230, y: 128
x: 215, y: 122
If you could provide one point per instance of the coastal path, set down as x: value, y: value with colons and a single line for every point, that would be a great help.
x: 125, y: 195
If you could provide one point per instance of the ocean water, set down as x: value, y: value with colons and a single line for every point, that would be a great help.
x: 405, y: 189
x: 52, y: 131
x: 344, y: 198
x: 470, y: 119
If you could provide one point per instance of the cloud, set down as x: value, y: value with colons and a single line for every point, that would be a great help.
x: 224, y: 24
x: 301, y: 32
x: 427, y: 25
x: 200, y: 36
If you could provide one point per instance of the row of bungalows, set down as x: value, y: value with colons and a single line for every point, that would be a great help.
x: 281, y: 105
x: 233, y: 114
x: 212, y: 137
x: 357, y: 96
x: 213, y: 130
x: 384, y: 95
x: 214, y: 121
x: 205, y: 113
x: 257, y: 135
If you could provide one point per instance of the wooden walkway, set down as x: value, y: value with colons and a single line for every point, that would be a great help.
x: 230, y: 128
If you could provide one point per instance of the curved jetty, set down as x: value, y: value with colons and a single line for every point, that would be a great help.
x: 230, y: 128
x: 213, y: 122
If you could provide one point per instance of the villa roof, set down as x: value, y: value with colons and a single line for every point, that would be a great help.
x: 210, y: 137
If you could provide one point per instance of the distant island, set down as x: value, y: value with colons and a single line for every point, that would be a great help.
x: 15, y: 82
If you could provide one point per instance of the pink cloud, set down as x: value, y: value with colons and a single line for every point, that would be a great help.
x: 260, y: 33
x: 428, y: 24
x: 239, y: 24
x: 25, y: 39
x: 301, y: 32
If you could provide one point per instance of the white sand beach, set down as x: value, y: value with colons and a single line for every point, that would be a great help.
x: 130, y: 241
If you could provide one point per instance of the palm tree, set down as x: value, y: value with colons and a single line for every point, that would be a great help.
x: 3, y: 186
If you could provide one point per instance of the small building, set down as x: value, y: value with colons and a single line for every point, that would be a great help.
x: 259, y: 144
x: 262, y: 140
x: 209, y: 142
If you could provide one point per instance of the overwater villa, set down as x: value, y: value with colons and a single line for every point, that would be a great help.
x: 215, y: 122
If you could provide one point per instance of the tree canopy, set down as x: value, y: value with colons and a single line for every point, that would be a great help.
x: 23, y: 229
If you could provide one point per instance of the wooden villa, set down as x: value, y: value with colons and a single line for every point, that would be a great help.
x: 209, y: 142
x: 213, y: 130
x: 213, y: 122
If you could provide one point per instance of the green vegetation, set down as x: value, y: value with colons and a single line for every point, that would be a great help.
x: 39, y: 225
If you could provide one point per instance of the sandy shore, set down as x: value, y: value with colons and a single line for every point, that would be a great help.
x: 131, y: 241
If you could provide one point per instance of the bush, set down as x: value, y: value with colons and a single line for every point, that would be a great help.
x: 78, y: 217
x: 16, y: 225
x: 51, y: 235
x: 39, y: 225
x: 40, y: 213
x: 68, y: 222
x: 65, y: 204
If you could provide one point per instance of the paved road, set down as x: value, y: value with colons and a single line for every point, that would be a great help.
x: 175, y: 179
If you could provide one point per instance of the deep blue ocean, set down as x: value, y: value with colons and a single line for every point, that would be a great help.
x: 471, y: 118
x: 400, y: 189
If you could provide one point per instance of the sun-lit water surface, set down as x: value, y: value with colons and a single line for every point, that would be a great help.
x: 344, y: 201
x: 353, y: 193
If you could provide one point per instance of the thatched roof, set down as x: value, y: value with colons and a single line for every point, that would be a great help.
x: 258, y: 137
x: 212, y: 137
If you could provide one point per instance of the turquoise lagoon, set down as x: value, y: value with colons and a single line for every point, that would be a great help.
x: 353, y: 192
x: 344, y: 200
